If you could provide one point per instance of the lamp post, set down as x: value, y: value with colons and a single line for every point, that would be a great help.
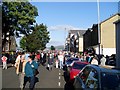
x: 69, y: 40
x: 8, y: 39
x: 65, y: 38
x: 98, y: 7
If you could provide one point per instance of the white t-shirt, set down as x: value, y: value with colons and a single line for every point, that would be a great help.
x: 94, y: 61
x: 103, y: 60
x: 61, y: 57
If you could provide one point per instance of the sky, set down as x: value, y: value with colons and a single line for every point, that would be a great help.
x: 60, y: 17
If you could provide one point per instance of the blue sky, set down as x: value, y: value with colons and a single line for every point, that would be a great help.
x: 71, y: 15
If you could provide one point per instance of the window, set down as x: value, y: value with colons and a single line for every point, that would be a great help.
x: 84, y: 74
x: 92, y: 80
x: 78, y: 66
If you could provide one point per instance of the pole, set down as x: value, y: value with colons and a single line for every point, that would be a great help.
x: 69, y: 39
x: 0, y: 35
x: 98, y: 7
x: 65, y: 38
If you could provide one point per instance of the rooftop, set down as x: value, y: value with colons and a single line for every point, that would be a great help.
x: 111, y: 17
x: 81, y: 32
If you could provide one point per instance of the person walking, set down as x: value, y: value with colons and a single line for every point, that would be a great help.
x: 50, y: 61
x: 20, y: 67
x: 26, y: 55
x: 30, y: 69
x: 103, y: 61
x: 44, y: 59
x: 38, y: 56
x: 4, y: 61
x: 42, y: 54
x: 56, y: 63
x: 13, y: 58
x: 94, y: 61
x: 61, y: 59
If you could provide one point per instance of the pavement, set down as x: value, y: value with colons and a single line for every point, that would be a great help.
x: 45, y: 79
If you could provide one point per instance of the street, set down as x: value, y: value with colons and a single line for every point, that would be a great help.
x: 45, y: 79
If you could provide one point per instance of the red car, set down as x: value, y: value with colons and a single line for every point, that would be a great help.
x: 75, y: 69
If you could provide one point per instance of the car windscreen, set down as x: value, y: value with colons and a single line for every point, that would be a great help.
x: 110, y: 81
x: 78, y: 66
x: 69, y: 61
x: 75, y: 59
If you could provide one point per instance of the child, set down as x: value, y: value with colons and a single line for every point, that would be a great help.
x: 56, y: 63
x: 4, y: 61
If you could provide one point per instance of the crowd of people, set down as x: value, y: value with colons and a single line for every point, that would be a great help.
x: 27, y: 63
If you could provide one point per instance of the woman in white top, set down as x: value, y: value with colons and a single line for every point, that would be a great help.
x: 94, y: 61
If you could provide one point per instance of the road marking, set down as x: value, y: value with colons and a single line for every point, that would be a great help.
x: 59, y: 84
x: 59, y: 73
x: 59, y: 77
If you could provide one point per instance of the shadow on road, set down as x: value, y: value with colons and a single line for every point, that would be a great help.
x: 66, y: 76
x: 68, y: 86
x: 27, y: 79
x: 9, y: 66
x: 36, y: 80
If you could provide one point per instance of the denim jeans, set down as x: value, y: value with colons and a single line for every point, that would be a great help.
x: 4, y: 65
x: 61, y: 64
x: 31, y: 80
x: 21, y: 79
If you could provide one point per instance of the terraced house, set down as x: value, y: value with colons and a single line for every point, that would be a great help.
x: 107, y: 36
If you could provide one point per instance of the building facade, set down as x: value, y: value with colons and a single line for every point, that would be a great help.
x: 90, y: 37
x: 107, y: 36
x: 10, y: 44
x: 74, y: 41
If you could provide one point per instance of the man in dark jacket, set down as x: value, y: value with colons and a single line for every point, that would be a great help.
x: 50, y: 61
x: 30, y: 68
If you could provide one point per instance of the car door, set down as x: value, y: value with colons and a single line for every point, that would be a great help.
x: 92, y: 80
x: 81, y: 78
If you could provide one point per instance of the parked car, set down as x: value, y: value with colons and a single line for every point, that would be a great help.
x: 76, y: 68
x: 112, y: 60
x: 93, y: 77
x: 69, y: 62
x: 66, y: 57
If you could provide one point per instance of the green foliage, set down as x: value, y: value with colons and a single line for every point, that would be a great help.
x: 23, y: 43
x: 37, y: 40
x: 18, y: 18
x: 52, y: 48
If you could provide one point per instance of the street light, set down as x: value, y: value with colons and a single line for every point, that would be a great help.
x: 65, y: 38
x: 8, y: 39
x: 69, y: 40
x: 98, y: 7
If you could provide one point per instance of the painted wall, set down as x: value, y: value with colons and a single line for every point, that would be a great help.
x: 80, y: 44
x: 108, y: 35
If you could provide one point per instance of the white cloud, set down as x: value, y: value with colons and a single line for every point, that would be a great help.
x: 64, y: 27
x: 55, y: 43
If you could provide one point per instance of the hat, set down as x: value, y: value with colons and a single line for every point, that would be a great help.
x: 30, y: 57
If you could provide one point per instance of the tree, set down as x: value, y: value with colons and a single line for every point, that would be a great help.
x: 18, y: 18
x: 37, y: 40
x: 23, y: 43
x: 52, y: 48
